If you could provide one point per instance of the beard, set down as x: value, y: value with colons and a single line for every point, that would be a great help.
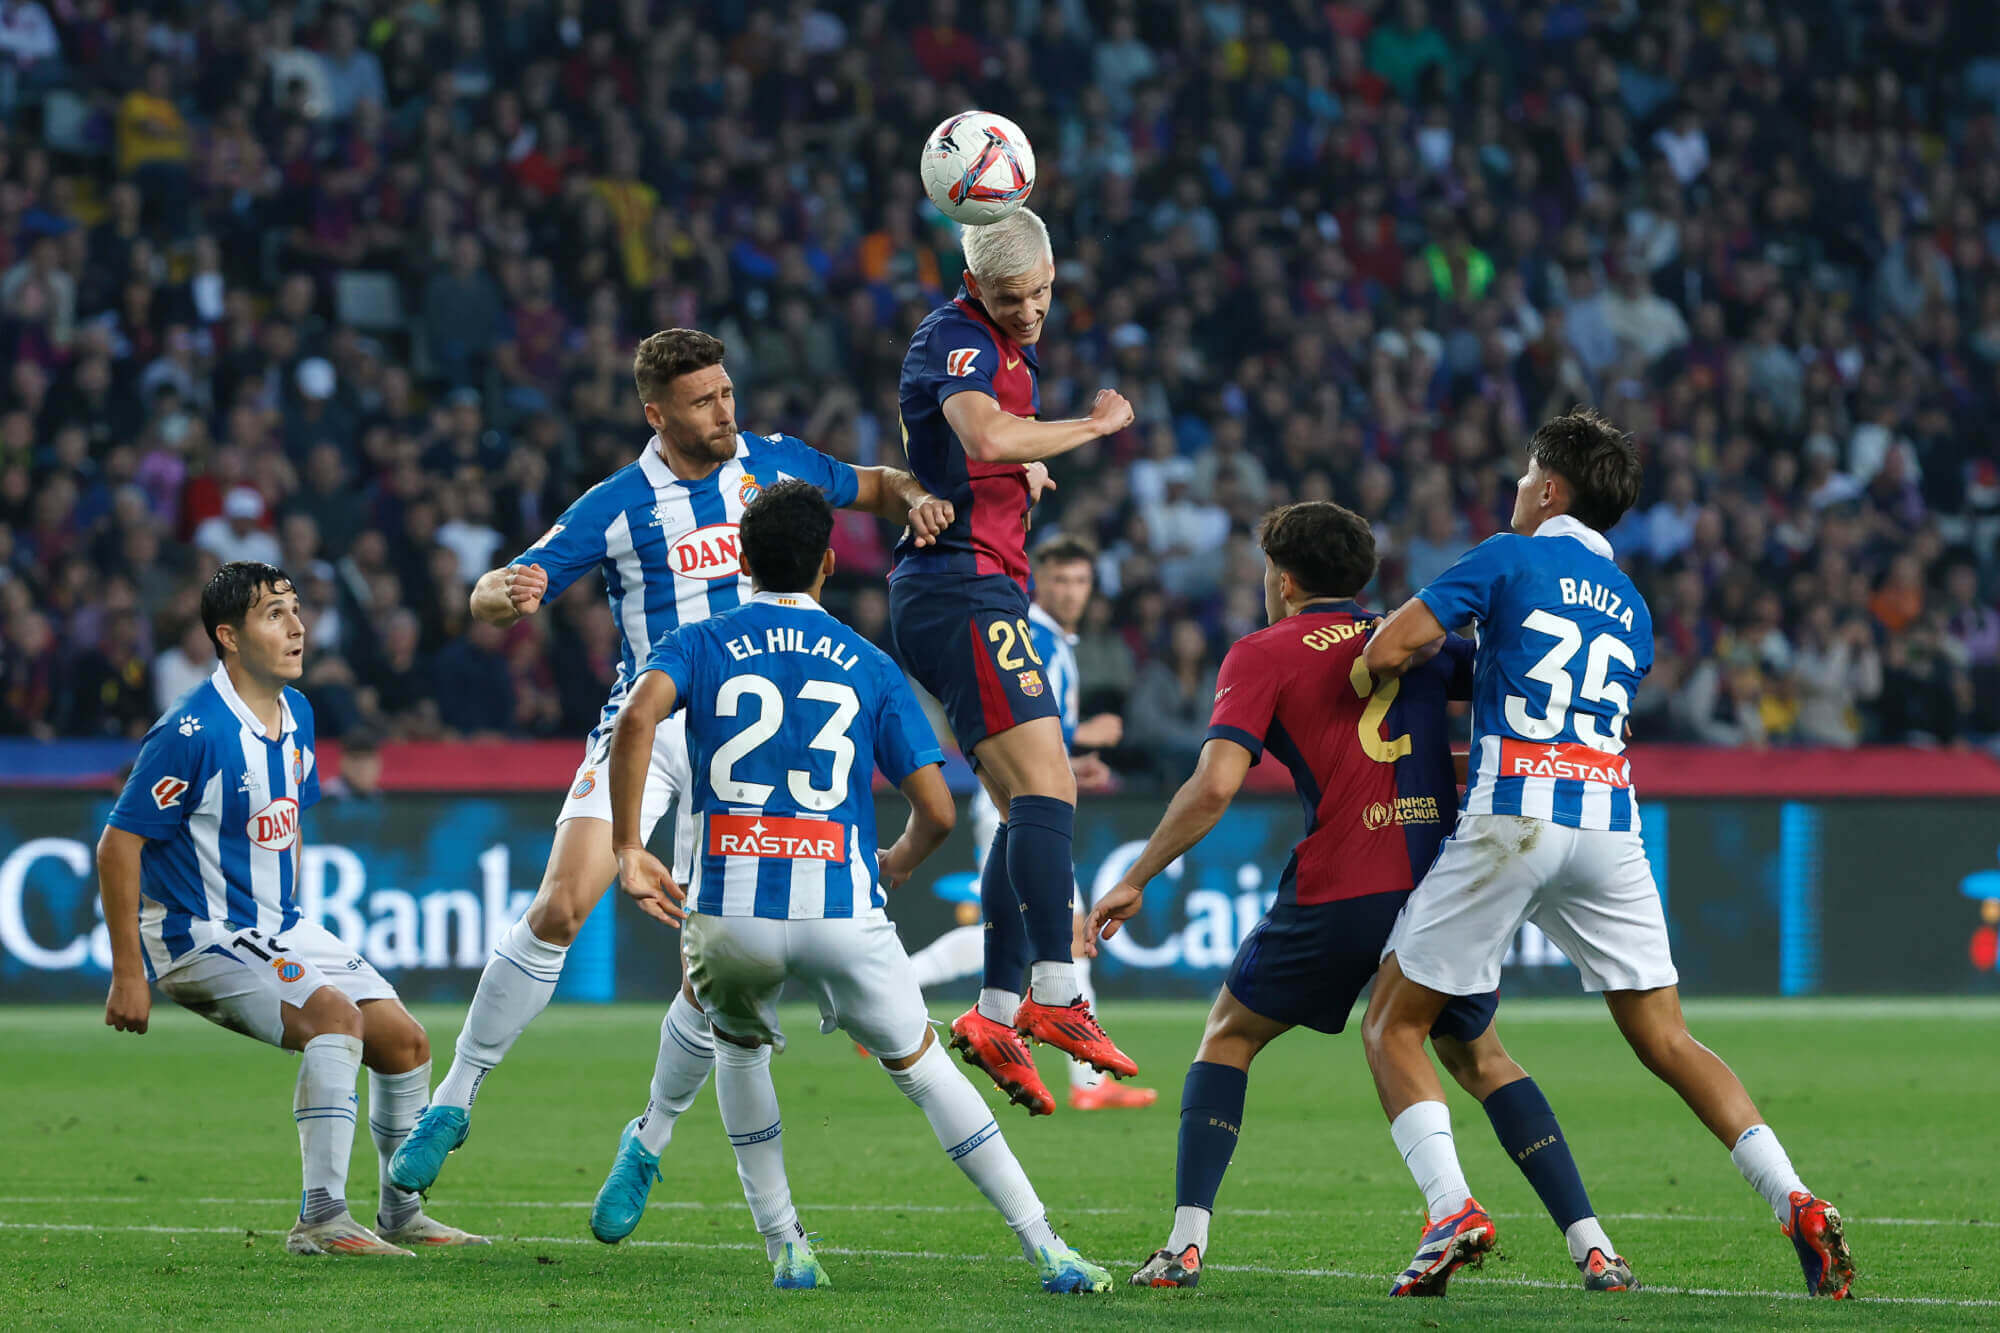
x: 703, y: 448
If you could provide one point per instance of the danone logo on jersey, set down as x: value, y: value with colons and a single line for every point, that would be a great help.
x: 1563, y: 759
x: 276, y: 826
x: 776, y: 835
x: 713, y: 552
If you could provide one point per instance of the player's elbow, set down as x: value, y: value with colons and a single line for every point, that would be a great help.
x: 1383, y: 656
x: 939, y: 813
x: 981, y: 447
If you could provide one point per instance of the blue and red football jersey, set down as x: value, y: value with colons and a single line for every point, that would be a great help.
x: 1372, y: 766
x: 956, y: 349
x: 1564, y: 640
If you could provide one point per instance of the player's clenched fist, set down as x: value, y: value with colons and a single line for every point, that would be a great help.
x: 647, y: 883
x: 1110, y: 412
x: 129, y: 1005
x: 525, y: 586
x: 929, y: 517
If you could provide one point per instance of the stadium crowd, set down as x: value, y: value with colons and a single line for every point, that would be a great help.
x: 354, y: 288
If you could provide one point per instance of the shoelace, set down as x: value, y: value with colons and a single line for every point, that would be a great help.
x: 1080, y: 1010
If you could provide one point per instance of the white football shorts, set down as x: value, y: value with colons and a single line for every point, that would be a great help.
x: 1590, y: 890
x: 854, y: 968
x: 666, y: 778
x: 240, y: 980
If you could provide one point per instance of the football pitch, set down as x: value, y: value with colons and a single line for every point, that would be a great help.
x: 149, y: 1182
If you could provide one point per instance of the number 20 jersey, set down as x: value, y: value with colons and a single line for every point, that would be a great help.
x: 789, y: 715
x: 1563, y: 642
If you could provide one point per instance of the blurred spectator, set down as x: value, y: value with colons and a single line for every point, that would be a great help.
x: 182, y: 667
x: 1167, y: 713
x: 378, y: 270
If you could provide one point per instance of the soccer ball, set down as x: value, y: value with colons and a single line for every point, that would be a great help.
x: 978, y: 167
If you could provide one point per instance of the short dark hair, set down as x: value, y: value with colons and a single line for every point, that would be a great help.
x: 1065, y: 550
x: 669, y: 354
x: 234, y: 589
x: 785, y: 532
x: 1328, y: 549
x: 1595, y: 459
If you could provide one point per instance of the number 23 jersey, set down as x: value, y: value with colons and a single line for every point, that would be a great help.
x: 1563, y: 642
x: 789, y: 716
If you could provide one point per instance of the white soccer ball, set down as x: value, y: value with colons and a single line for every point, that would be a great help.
x: 978, y: 167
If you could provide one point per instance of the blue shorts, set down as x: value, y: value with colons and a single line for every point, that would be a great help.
x: 1307, y: 965
x: 965, y: 639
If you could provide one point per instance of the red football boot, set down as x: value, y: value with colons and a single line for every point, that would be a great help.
x: 1075, y: 1031
x: 997, y: 1051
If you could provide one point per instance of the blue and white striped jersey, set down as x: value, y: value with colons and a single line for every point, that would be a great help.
x: 219, y: 804
x: 789, y: 714
x: 668, y: 548
x: 1057, y: 650
x: 1564, y: 639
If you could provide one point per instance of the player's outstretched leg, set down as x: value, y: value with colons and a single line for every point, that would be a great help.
x: 970, y: 1136
x: 984, y: 1034
x: 687, y: 1053
x: 757, y: 1134
x: 1526, y: 1126
x: 1652, y: 1022
x: 398, y: 1056
x: 1211, y: 1119
x: 959, y: 952
x: 1090, y: 1090
x: 517, y: 984
x: 326, y: 1031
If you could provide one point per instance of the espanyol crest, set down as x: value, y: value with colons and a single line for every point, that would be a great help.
x: 748, y: 489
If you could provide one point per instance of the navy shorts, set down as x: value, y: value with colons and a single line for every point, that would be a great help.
x: 1307, y: 965
x: 965, y: 639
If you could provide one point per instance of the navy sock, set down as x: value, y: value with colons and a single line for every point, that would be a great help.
x: 1527, y: 1129
x: 1039, y: 830
x: 1211, y: 1118
x: 1006, y: 936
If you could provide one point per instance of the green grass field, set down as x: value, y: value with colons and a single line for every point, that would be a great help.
x: 149, y: 1182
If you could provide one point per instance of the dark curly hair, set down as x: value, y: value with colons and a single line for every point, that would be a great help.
x: 784, y: 532
x: 1328, y: 550
x: 1595, y: 459
x: 234, y: 590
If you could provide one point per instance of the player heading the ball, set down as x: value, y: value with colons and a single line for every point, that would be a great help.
x: 958, y: 614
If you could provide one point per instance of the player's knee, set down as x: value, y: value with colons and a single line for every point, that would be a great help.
x: 560, y: 909
x: 1659, y: 1047
x: 328, y: 1013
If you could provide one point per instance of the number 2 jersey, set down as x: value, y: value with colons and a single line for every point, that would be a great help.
x: 1372, y: 766
x: 1564, y: 640
x: 789, y: 714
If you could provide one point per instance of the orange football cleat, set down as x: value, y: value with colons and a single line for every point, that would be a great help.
x: 997, y: 1051
x: 1111, y: 1095
x: 1075, y: 1031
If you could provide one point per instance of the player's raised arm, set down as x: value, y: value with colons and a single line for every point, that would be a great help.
x: 1398, y: 642
x: 891, y: 493
x: 933, y: 814
x: 1196, y: 807
x: 991, y: 435
x: 640, y: 873
x: 130, y: 1003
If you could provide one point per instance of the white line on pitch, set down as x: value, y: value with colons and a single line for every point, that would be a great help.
x: 939, y: 1256
x: 737, y: 1205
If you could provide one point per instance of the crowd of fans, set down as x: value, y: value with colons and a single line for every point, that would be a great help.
x: 354, y: 288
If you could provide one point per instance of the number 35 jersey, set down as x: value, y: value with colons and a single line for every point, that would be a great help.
x: 789, y: 715
x: 1563, y: 642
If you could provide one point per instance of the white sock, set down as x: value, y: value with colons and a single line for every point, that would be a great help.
x: 323, y: 1106
x: 757, y: 1133
x: 1762, y: 1160
x: 516, y: 985
x: 1423, y: 1135
x: 1081, y: 1075
x: 1586, y: 1235
x: 999, y: 1005
x: 969, y: 1135
x: 687, y: 1053
x: 1053, y: 983
x: 954, y: 954
x: 1190, y: 1228
x: 394, y: 1103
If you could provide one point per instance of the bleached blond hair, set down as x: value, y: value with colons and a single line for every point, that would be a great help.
x: 1016, y: 244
